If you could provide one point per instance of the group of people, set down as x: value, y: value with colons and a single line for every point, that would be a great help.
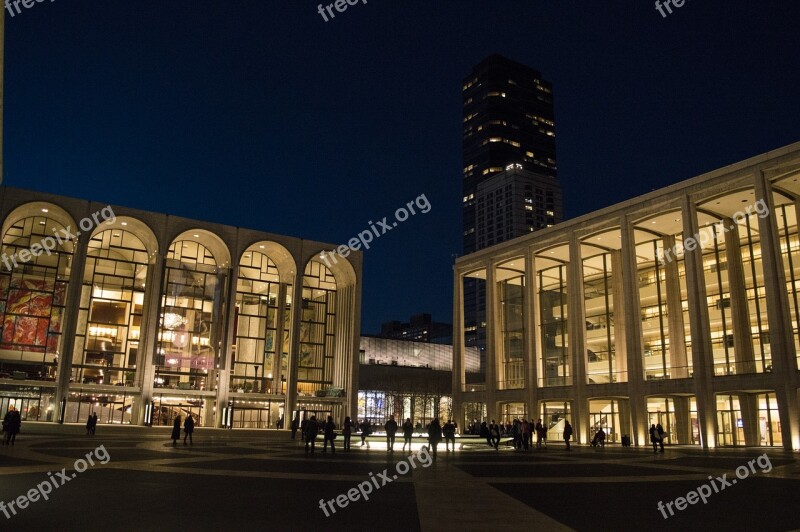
x: 521, y: 433
x: 12, y: 422
x: 188, y: 429
x: 310, y: 429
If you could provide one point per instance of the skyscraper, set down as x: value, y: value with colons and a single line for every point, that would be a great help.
x: 510, y: 182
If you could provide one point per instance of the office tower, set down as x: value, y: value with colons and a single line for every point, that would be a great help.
x: 510, y: 184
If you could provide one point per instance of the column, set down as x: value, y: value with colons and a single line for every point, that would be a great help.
x: 779, y: 319
x: 702, y: 353
x: 458, y: 376
x: 294, y: 342
x: 683, y: 421
x: 632, y: 332
x: 532, y: 340
x: 678, y: 362
x: 491, y: 342
x: 227, y: 313
x: 748, y: 404
x: 740, y: 316
x: 576, y: 325
x: 145, y: 371
x: 70, y: 322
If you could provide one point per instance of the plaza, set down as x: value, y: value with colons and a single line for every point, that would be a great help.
x: 261, y: 480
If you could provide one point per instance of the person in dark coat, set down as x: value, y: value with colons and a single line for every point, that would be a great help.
x: 391, y: 429
x: 567, y: 433
x: 408, y: 433
x: 434, y: 435
x: 89, y: 425
x: 176, y: 430
x: 188, y: 429
x: 295, y: 424
x: 347, y: 431
x: 330, y: 435
x: 366, y: 430
x: 94, y: 423
x: 449, y: 432
x: 312, y: 429
x: 12, y: 422
x: 661, y: 434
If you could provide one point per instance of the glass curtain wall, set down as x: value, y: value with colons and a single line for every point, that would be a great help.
x: 790, y: 253
x: 553, y: 326
x: 259, y: 313
x: 33, y: 291
x: 512, y: 326
x: 191, y: 317
x: 317, y: 330
x: 599, y: 304
x: 110, y: 315
x: 653, y: 307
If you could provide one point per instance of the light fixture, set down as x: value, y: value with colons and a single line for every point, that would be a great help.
x: 45, y: 210
x: 123, y: 223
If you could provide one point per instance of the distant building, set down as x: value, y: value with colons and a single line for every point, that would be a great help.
x: 510, y: 184
x: 421, y: 328
x: 407, y: 379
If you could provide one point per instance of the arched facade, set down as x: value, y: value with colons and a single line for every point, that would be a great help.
x: 140, y: 317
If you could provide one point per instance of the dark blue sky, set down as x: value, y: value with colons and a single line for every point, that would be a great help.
x: 260, y: 114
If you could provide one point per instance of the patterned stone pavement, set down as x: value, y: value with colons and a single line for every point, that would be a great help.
x: 249, y: 480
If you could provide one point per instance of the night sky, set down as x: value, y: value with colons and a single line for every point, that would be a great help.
x: 261, y: 114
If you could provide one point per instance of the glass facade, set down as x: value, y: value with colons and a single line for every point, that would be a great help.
x: 139, y: 329
x: 679, y: 308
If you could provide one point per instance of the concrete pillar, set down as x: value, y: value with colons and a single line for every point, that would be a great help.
x: 683, y: 423
x: 702, y: 353
x: 576, y: 325
x: 632, y: 331
x: 740, y: 315
x: 492, y: 342
x: 625, y: 419
x: 784, y: 358
x: 532, y: 338
x: 227, y: 281
x: 678, y: 361
x: 70, y: 320
x: 148, y: 337
x: 294, y: 342
x: 748, y: 404
x: 458, y: 377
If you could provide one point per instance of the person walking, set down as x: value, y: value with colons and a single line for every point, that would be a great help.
x: 347, y: 430
x: 483, y: 432
x: 366, y: 430
x: 540, y: 433
x: 176, y: 430
x: 526, y: 433
x: 94, y: 423
x: 310, y: 434
x: 295, y: 424
x: 408, y: 433
x: 188, y: 429
x: 12, y: 422
x: 449, y: 432
x: 89, y: 426
x: 391, y: 429
x: 660, y: 431
x: 567, y: 433
x: 434, y: 435
x: 329, y: 435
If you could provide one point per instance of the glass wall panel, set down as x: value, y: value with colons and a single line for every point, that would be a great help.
x: 258, y: 313
x: 33, y: 291
x: 715, y: 270
x: 653, y: 309
x: 110, y: 315
x: 554, y: 415
x: 556, y: 362
x: 604, y: 414
x: 191, y: 316
x: 475, y: 329
x: 511, y: 289
x: 511, y: 411
x: 790, y: 253
x: 730, y: 425
x: 34, y: 403
x: 317, y: 330
x: 769, y: 422
x: 598, y: 285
